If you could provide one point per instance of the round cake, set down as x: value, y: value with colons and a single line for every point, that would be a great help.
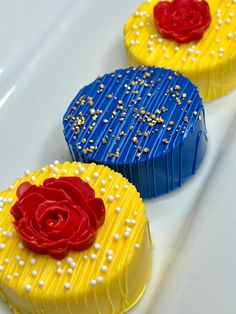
x: 195, y: 37
x: 74, y: 239
x: 147, y: 123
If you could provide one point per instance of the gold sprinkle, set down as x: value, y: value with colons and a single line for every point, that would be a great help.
x: 105, y: 121
x: 142, y: 111
x: 120, y: 102
x: 135, y: 140
x: 92, y: 111
x: 102, y: 86
x: 110, y: 96
x: 200, y: 118
x: 177, y: 87
x: 195, y: 113
x: 85, y: 151
x: 84, y: 140
x: 185, y: 119
x: 184, y: 95
x: 189, y: 102
x: 165, y: 140
x: 138, y: 155
x: 171, y: 123
x: 146, y: 150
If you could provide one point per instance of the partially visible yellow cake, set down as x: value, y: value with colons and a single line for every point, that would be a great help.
x: 209, y: 62
x: 109, y: 277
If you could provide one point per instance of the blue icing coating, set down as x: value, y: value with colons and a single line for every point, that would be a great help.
x: 147, y: 123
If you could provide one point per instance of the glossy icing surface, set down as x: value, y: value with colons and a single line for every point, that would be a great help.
x: 132, y: 120
x: 103, y: 279
x: 210, y: 62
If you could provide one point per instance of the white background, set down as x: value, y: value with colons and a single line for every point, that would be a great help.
x: 49, y: 50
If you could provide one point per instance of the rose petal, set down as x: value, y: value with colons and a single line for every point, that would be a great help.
x: 98, y: 208
x: 22, y: 188
x: 74, y: 193
x: 81, y: 185
x: 16, y: 211
x: 30, y: 203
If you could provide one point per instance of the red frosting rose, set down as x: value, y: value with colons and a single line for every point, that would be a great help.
x: 182, y: 20
x: 60, y: 215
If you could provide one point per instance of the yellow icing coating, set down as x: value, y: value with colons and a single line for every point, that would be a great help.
x: 119, y: 284
x: 210, y: 62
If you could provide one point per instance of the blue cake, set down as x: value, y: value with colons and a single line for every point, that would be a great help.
x: 147, y: 123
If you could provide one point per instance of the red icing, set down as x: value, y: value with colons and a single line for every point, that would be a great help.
x: 182, y: 20
x: 56, y: 217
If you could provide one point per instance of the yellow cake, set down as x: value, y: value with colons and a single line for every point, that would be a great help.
x: 209, y: 62
x: 108, y: 277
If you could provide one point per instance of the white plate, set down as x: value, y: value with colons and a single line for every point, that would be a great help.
x: 50, y: 49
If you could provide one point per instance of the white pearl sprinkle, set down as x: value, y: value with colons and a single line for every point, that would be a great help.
x: 177, y: 48
x: 150, y: 43
x: 59, y: 271
x: 87, y: 179
x: 183, y: 59
x: 103, y: 190
x: 217, y: 40
x: 137, y: 246
x: 32, y: 261
x: 69, y: 260
x: 137, y: 42
x: 76, y: 172
x: 190, y: 50
x: 1, y: 267
x: 2, y: 246
x: 110, y: 177
x: 58, y: 263
x: 127, y: 221
x: 116, y: 186
x: 32, y: 179
x: 16, y: 274
x: 51, y: 166
x: 228, y: 21
x: 151, y: 49
x: 104, y: 268
x: 34, y: 273
x: 64, y: 171
x: 231, y: 14
x: 85, y: 257
x: 125, y: 186
x: 10, y: 234
x: 160, y: 40
x: 6, y: 261
x: 27, y: 172
x: 93, y: 257
x: 41, y: 283
x: 21, y: 263
x: 193, y: 59
x: 126, y: 234
x: 55, y: 170
x: 212, y: 53
x: 221, y: 50
x: 217, y: 27
x: 1, y: 204
x: 103, y: 182
x: 110, y: 258
x: 4, y: 233
x: 135, y: 213
x: 67, y: 285
x: 109, y: 252
x: 82, y: 169
x: 117, y: 196
x: 18, y: 257
x: 8, y: 277
x: 43, y: 169
x: 11, y: 187
x: 229, y: 35
x: 110, y: 198
x: 133, y: 222
x: 137, y: 33
x: 93, y: 282
x: 97, y: 246
x: 73, y: 265
x: 134, y: 26
x: 21, y: 246
x: 219, y: 22
x: 69, y: 271
x: 141, y: 24
x: 100, y: 279
x: 95, y: 175
x: 28, y: 288
x: 116, y: 236
x: 220, y: 55
x: 118, y: 209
